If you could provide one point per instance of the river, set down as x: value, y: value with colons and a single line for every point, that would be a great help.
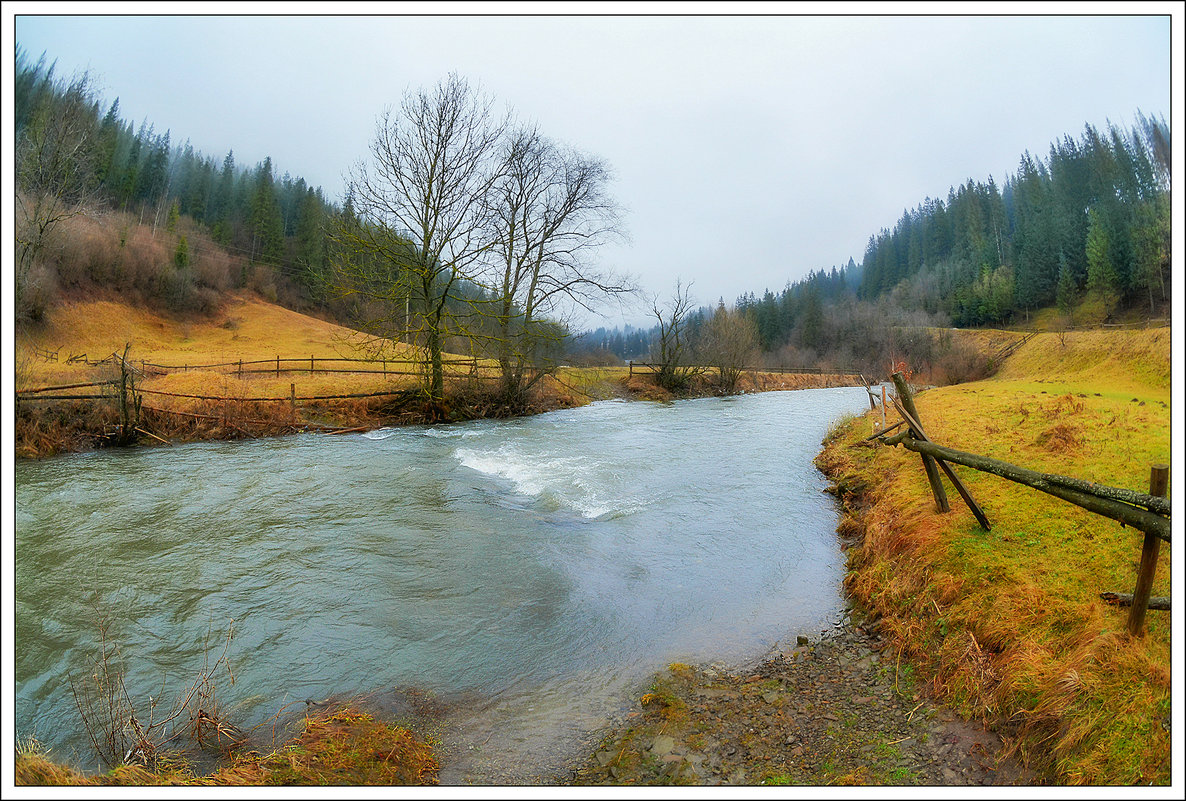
x: 530, y: 574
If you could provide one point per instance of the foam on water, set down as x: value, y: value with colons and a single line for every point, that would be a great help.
x: 541, y: 568
x: 573, y: 482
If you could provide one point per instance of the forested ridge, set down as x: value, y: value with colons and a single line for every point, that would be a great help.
x: 1085, y: 229
x: 80, y: 156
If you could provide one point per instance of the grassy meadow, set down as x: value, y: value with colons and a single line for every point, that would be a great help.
x: 1008, y: 623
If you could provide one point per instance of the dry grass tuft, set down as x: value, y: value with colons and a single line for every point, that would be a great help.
x: 342, y: 747
x: 1060, y: 438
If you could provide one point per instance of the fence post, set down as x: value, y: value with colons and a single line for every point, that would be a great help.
x: 310, y: 364
x: 292, y: 396
x: 277, y: 365
x: 928, y: 462
x: 1159, y: 476
x: 630, y: 364
x: 240, y: 367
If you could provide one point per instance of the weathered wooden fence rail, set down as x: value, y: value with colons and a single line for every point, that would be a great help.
x: 279, y: 365
x: 1146, y: 512
x: 780, y: 370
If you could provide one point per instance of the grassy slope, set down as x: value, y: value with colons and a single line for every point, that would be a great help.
x: 245, y: 328
x: 1008, y: 622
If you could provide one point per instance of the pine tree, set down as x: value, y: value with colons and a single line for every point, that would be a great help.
x: 1068, y: 288
x: 266, y: 222
x: 1101, y: 273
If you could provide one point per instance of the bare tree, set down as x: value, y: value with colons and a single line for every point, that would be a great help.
x: 55, y: 174
x: 421, y: 206
x: 728, y: 342
x: 550, y: 210
x: 671, y: 349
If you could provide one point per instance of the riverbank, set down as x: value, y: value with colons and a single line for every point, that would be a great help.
x: 1003, y: 628
x: 836, y: 709
x: 168, y: 416
x: 1007, y: 626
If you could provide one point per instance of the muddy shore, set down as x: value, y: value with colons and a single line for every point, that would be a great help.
x: 839, y: 710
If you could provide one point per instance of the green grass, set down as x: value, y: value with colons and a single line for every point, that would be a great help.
x: 1008, y: 622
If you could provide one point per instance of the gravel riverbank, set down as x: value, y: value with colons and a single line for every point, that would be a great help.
x: 840, y: 710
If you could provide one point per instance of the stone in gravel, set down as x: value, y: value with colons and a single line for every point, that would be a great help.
x: 771, y: 697
x: 801, y: 641
x: 662, y: 745
x: 604, y: 758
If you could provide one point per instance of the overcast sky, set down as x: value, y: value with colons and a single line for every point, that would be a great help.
x: 747, y: 150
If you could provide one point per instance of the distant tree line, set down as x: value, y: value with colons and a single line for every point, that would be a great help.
x: 1093, y: 218
x: 1087, y: 230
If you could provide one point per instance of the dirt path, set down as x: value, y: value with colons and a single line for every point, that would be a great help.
x: 837, y: 711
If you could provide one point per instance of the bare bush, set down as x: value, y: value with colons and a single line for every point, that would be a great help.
x: 143, y: 259
x: 262, y: 281
x: 216, y: 268
x: 37, y: 289
x: 728, y: 342
x: 956, y: 360
x: 124, y: 732
x: 89, y: 253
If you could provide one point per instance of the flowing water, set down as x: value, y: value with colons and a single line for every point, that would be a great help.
x: 531, y: 574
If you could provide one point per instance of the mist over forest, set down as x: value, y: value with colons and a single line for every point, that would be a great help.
x: 1083, y: 230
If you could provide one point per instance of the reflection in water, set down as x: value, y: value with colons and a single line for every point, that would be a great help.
x: 538, y: 568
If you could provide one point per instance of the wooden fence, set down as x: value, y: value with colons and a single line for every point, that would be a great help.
x: 126, y: 388
x: 778, y: 370
x: 277, y: 365
x: 1146, y: 512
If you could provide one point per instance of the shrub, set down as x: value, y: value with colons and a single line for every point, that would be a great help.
x: 144, y: 260
x: 36, y: 291
x: 89, y: 253
x: 959, y: 362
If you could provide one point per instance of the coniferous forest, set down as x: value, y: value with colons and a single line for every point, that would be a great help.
x: 1084, y: 230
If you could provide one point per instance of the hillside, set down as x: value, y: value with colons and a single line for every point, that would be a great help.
x: 244, y: 327
x: 1007, y: 625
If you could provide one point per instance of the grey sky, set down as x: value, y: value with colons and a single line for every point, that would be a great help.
x: 747, y: 150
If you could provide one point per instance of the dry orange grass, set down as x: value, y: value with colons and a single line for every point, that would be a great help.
x: 246, y: 327
x: 1008, y: 624
x: 343, y: 747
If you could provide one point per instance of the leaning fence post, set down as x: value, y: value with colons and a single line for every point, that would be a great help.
x: 292, y: 396
x: 1159, y: 477
x: 928, y: 462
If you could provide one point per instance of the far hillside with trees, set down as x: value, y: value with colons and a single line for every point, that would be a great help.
x: 1078, y: 238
